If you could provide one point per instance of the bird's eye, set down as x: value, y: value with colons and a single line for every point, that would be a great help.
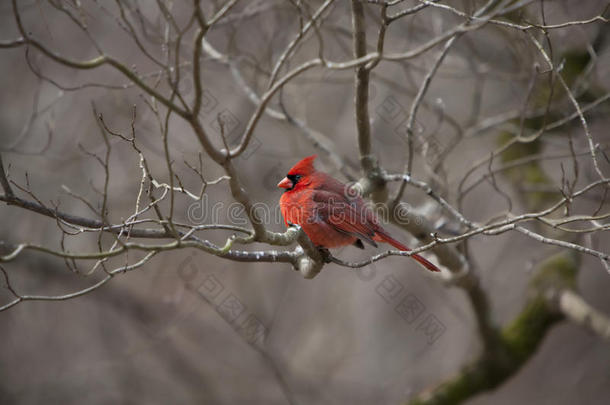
x: 294, y: 177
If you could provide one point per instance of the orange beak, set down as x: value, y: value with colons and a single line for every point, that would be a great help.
x: 285, y: 183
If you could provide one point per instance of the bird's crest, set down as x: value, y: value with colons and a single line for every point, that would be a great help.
x: 304, y: 167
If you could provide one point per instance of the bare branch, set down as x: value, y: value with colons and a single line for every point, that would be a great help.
x: 8, y: 191
x: 577, y: 310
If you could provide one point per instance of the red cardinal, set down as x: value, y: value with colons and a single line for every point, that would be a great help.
x: 330, y: 217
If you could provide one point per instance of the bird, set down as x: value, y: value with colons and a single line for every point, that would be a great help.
x: 330, y: 213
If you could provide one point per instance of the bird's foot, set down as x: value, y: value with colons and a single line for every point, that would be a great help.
x: 325, y: 253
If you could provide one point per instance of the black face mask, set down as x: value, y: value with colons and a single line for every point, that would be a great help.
x: 294, y: 178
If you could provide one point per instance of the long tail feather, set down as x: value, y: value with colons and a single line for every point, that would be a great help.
x: 387, y: 238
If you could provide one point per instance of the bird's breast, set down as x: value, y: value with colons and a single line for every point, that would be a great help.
x: 296, y: 207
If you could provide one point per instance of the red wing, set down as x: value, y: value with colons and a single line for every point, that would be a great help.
x: 350, y: 217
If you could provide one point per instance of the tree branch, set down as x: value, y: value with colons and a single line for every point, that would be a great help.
x: 8, y: 191
x: 577, y: 310
x: 361, y: 89
x: 517, y: 342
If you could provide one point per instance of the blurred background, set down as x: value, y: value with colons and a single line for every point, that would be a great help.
x: 189, y: 327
